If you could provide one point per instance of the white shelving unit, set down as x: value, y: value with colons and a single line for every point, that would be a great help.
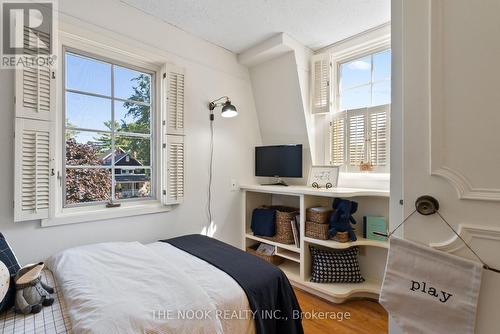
x: 297, y: 264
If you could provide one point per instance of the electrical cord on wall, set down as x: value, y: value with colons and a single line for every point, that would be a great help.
x: 210, y: 170
x: 228, y: 111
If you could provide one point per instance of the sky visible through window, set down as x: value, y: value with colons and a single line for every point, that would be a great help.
x: 366, y: 81
x: 93, y: 76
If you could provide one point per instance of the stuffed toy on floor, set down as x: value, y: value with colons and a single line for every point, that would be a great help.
x: 31, y: 292
x: 341, y: 219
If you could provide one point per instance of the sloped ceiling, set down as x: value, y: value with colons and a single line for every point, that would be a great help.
x: 239, y: 24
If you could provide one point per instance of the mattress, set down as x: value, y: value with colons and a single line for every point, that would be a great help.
x: 51, y: 320
x: 130, y: 288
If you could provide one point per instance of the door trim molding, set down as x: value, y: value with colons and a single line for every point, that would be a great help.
x: 468, y: 233
x: 465, y: 189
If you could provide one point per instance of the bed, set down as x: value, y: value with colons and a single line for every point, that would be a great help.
x: 174, y: 286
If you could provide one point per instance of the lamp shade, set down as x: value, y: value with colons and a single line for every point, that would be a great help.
x: 228, y: 110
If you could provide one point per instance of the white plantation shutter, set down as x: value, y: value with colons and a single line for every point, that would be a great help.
x: 366, y: 132
x: 34, y: 88
x: 321, y: 90
x: 35, y: 101
x: 35, y: 85
x: 174, y: 94
x: 32, y: 169
x: 356, y: 138
x: 378, y: 132
x: 173, y: 105
x: 175, y: 170
x: 34, y: 108
x: 337, y: 132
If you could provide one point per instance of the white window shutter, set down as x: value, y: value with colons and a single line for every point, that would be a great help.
x: 367, y: 139
x: 175, y: 154
x: 337, y: 135
x: 34, y: 107
x: 173, y: 99
x: 35, y: 86
x: 321, y: 88
x: 378, y: 133
x: 32, y: 169
x: 356, y: 137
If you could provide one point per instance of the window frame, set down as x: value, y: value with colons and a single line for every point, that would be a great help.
x: 338, y: 58
x: 106, y: 45
x: 154, y: 110
x: 370, y: 84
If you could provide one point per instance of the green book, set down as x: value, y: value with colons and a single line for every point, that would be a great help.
x: 374, y: 224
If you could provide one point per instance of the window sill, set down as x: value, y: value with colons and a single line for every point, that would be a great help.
x: 91, y: 214
x: 376, y: 181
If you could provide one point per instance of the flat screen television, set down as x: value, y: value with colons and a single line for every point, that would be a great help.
x: 278, y: 161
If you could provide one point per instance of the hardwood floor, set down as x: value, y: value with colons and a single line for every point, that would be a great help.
x: 365, y: 316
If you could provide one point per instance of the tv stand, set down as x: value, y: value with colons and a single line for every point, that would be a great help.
x: 283, y: 184
x: 279, y: 182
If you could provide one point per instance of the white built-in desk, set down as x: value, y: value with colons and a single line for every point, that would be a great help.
x: 297, y: 265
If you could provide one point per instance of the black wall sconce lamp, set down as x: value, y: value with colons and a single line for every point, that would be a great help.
x: 228, y: 110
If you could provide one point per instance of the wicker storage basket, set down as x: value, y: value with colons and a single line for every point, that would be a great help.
x: 320, y: 231
x: 321, y: 216
x: 284, y: 217
x: 276, y: 260
x: 341, y: 237
x: 316, y: 230
x: 284, y: 232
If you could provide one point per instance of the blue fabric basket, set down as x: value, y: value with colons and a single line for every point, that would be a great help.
x: 263, y: 222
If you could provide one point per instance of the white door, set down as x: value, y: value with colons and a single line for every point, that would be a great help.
x: 446, y: 100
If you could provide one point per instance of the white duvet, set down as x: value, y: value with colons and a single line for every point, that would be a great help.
x: 128, y: 287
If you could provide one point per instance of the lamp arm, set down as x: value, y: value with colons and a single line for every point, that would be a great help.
x: 215, y: 103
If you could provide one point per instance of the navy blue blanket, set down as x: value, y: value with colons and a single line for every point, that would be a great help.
x: 269, y: 292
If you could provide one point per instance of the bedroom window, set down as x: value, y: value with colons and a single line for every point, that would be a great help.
x: 356, y: 107
x: 108, y: 130
x: 108, y: 127
x: 360, y: 124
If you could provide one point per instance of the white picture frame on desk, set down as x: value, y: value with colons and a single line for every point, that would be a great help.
x: 323, y: 176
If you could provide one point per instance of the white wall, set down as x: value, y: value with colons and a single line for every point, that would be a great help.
x: 278, y: 101
x: 211, y: 72
x: 280, y: 87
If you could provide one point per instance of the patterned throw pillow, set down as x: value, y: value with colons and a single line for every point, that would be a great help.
x: 10, y: 261
x: 335, y: 266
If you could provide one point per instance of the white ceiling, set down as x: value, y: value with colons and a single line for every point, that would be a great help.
x: 239, y: 24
